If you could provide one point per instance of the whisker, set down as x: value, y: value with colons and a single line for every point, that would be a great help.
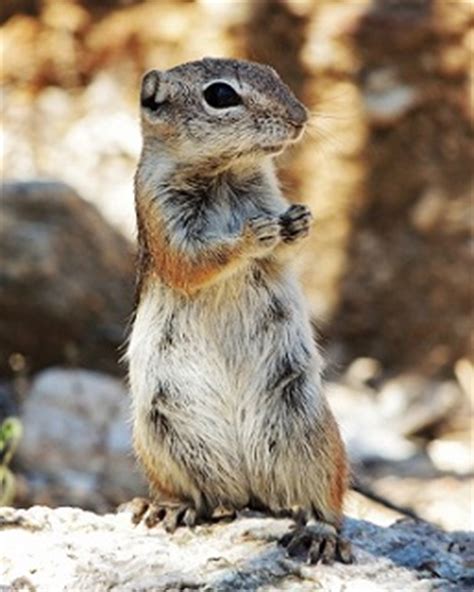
x: 323, y: 115
x: 334, y: 100
x: 322, y: 135
x: 321, y: 150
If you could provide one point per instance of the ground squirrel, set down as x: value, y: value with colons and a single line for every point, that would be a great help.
x: 225, y: 378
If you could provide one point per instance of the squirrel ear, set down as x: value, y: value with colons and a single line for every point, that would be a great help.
x: 153, y: 92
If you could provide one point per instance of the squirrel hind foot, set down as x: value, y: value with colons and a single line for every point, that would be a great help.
x: 319, y: 542
x: 170, y: 513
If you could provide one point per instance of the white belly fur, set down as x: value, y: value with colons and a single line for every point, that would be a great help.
x: 215, y: 374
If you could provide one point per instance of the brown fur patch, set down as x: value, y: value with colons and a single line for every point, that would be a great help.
x: 176, y: 268
x: 339, y: 476
x: 158, y: 486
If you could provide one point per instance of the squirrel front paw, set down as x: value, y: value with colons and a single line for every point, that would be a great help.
x: 295, y: 223
x: 263, y: 233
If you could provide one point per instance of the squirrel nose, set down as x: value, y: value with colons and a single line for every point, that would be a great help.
x: 298, y: 115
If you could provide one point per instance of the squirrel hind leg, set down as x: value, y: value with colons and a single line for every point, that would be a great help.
x: 317, y: 532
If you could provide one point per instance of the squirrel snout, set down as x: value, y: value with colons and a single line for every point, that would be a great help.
x: 153, y: 91
x: 298, y: 116
x: 298, y: 120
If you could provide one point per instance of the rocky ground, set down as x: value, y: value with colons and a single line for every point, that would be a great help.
x: 85, y: 552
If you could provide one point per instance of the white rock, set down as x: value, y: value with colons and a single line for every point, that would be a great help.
x: 72, y: 550
x: 361, y: 371
x: 452, y: 455
x: 77, y: 431
x: 368, y: 433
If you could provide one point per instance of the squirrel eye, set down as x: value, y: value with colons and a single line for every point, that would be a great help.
x: 220, y: 95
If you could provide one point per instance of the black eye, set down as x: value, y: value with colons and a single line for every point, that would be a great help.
x: 220, y: 95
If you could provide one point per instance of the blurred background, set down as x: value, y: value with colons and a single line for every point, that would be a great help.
x: 386, y: 167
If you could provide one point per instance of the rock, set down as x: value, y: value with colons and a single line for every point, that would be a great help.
x: 77, y: 437
x: 363, y: 372
x: 66, y: 280
x: 442, y: 499
x: 388, y: 423
x: 452, y: 454
x: 415, y: 405
x: 409, y: 441
x: 83, y: 551
x: 370, y: 432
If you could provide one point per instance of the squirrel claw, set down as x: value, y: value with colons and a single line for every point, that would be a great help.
x: 319, y: 542
x: 152, y: 513
x: 138, y: 507
x: 295, y: 223
x: 263, y: 231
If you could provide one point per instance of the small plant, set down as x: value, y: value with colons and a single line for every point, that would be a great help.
x: 10, y: 435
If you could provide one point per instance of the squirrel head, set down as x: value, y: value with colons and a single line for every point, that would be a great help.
x: 219, y: 110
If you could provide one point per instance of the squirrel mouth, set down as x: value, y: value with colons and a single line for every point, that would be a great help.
x: 275, y: 149
x: 297, y: 132
x: 294, y: 135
